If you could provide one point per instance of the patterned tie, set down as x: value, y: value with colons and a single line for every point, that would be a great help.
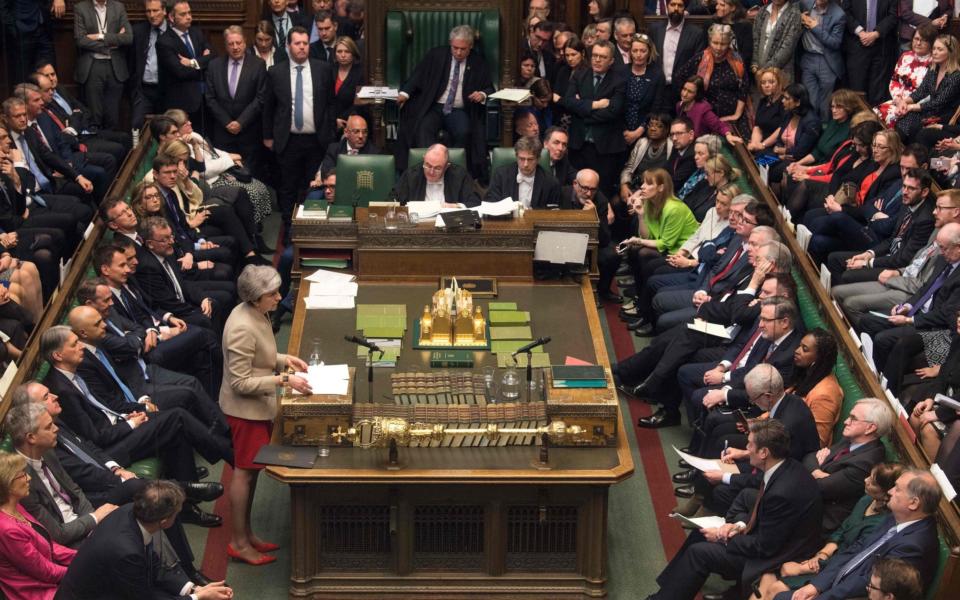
x: 936, y: 285
x: 298, y: 100
x: 36, y: 129
x: 596, y: 81
x: 452, y: 90
x: 173, y: 278
x: 746, y: 349
x: 854, y: 562
x: 871, y: 15
x: 54, y: 484
x: 726, y: 269
x: 234, y: 75
x: 42, y: 179
x: 127, y: 393
x: 839, y: 455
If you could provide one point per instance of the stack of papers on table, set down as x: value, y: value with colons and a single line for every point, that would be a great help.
x: 331, y: 290
x: 498, y: 209
x: 374, y: 92
x: 331, y: 380
x: 511, y: 94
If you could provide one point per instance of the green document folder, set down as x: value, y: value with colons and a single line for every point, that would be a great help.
x: 509, y: 317
x: 503, y: 306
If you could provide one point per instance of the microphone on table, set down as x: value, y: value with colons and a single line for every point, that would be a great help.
x: 362, y: 341
x: 538, y: 342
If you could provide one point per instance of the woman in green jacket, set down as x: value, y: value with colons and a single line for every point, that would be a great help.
x: 664, y: 222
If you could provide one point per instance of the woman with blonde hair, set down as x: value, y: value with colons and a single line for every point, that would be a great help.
x: 645, y: 82
x: 844, y: 104
x: 664, y: 223
x: 717, y: 171
x: 349, y: 79
x: 935, y: 101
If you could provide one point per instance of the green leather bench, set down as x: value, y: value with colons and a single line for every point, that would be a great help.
x: 458, y: 156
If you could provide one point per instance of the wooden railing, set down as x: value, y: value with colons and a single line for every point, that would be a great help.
x: 910, y: 452
x: 59, y: 304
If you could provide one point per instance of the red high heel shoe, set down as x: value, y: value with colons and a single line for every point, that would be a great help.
x: 265, y: 547
x: 263, y: 560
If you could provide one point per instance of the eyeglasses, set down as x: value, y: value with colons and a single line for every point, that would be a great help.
x: 870, y: 586
x: 433, y: 168
x: 21, y: 475
x: 640, y: 37
x: 676, y: 133
x: 584, y: 187
x: 747, y: 221
x: 942, y: 207
x: 164, y: 240
x: 879, y: 147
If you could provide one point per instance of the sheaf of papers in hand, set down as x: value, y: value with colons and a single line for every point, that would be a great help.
x: 316, y: 302
x: 498, y: 209
x: 706, y: 464
x: 327, y: 379
x: 511, y: 94
x: 714, y: 329
x: 373, y: 92
x: 701, y: 522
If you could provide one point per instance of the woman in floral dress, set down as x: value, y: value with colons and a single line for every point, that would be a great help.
x: 909, y: 72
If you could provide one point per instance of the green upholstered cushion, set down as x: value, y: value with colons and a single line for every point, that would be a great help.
x: 458, y: 156
x: 6, y: 444
x: 149, y: 468
x: 410, y: 34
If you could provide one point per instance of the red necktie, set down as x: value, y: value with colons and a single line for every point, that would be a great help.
x: 726, y: 269
x: 82, y: 147
x: 746, y: 349
x: 36, y: 130
x: 839, y: 455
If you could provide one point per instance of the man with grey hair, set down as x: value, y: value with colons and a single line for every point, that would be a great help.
x: 447, y: 91
x: 624, y: 29
x: 525, y: 181
x: 908, y: 533
x: 437, y: 180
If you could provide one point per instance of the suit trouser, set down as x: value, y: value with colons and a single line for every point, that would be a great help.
x: 169, y: 389
x: 866, y: 71
x: 147, y: 100
x: 857, y: 299
x: 694, y: 562
x: 102, y: 92
x: 456, y: 124
x: 885, y: 337
x: 66, y: 213
x: 298, y: 164
x: 819, y: 79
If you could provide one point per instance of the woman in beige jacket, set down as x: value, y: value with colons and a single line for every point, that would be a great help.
x: 248, y: 397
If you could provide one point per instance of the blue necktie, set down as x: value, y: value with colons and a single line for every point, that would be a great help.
x: 62, y: 102
x: 42, y: 179
x: 859, y: 558
x: 452, y: 92
x: 298, y: 100
x: 188, y: 44
x: 82, y: 386
x: 936, y: 285
x: 143, y: 365
x: 871, y: 15
x: 116, y: 378
x: 78, y: 451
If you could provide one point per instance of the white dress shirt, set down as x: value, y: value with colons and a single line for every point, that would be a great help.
x: 458, y: 98
x: 525, y: 189
x: 66, y: 509
x: 434, y: 192
x: 671, y: 41
x: 308, y: 124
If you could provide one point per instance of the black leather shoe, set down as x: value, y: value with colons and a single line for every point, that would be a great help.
x: 202, y: 473
x: 684, y: 477
x: 192, y: 515
x: 199, y: 578
x: 659, y: 419
x: 645, y: 330
x: 202, y: 491
x: 638, y: 322
x: 683, y: 464
x: 728, y: 594
x: 684, y: 491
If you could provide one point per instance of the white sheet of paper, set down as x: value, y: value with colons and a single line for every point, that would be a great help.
x: 335, y: 288
x: 702, y: 464
x: 714, y: 329
x: 322, y: 276
x: 327, y: 379
x: 825, y: 277
x: 318, y: 302
x: 511, y: 94
x: 424, y: 209
x: 700, y: 522
x: 377, y: 92
x: 944, y: 482
x: 498, y: 209
x: 866, y: 343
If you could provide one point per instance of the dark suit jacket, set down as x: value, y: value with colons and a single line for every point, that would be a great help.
x: 856, y: 11
x: 343, y: 99
x: 681, y: 167
x: 91, y: 477
x: 137, y: 57
x: 114, y: 564
x: 781, y: 359
x: 153, y: 278
x: 917, y: 544
x: 12, y: 203
x: 280, y: 45
x: 62, y: 145
x: 86, y: 21
x: 243, y: 108
x: 563, y: 170
x: 425, y: 86
x: 48, y: 160
x: 569, y: 201
x: 278, y: 104
x: 550, y: 62
x: 807, y: 134
x: 890, y: 255
x: 606, y: 124
x: 733, y: 278
x: 503, y: 184
x: 102, y: 384
x: 787, y: 525
x: 182, y: 84
x: 946, y: 300
x: 126, y: 347
x: 319, y: 52
x: 458, y: 186
x: 844, y: 487
x: 335, y: 149
x: 692, y: 41
x: 44, y: 509
x: 84, y: 419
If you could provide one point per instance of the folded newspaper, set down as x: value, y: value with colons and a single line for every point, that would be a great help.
x: 714, y: 329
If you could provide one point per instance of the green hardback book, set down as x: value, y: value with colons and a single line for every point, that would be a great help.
x: 383, y: 332
x: 516, y: 332
x: 578, y: 372
x: 451, y: 359
x: 315, y: 205
x: 340, y: 212
x: 503, y: 306
x: 579, y: 383
x: 509, y: 317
